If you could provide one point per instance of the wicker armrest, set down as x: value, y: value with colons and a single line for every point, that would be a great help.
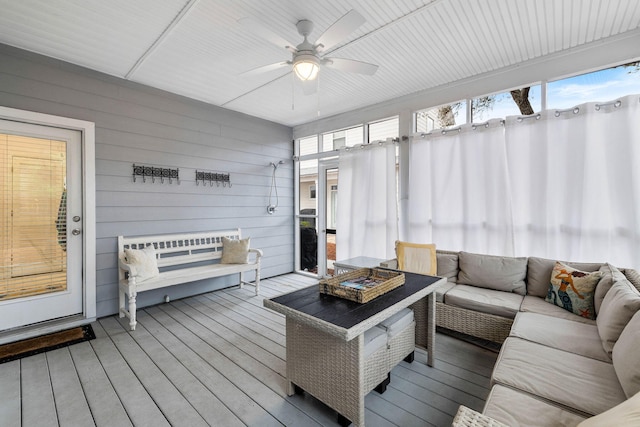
x: 469, y: 418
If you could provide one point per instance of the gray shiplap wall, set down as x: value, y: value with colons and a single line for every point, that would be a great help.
x: 138, y: 124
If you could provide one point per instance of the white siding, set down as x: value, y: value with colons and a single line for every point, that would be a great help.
x: 137, y: 124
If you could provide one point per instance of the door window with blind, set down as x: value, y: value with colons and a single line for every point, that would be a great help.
x: 34, y: 216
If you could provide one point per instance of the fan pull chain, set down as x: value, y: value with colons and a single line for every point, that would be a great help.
x: 318, y: 95
x: 293, y: 84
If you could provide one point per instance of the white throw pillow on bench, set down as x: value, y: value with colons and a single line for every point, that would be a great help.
x: 143, y: 261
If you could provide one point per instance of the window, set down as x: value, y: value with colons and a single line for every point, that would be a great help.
x: 383, y: 129
x: 603, y: 85
x: 312, y: 191
x: 343, y: 138
x: 444, y: 116
x: 523, y: 101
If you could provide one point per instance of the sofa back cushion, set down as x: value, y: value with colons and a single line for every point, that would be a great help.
x: 620, y: 304
x: 448, y: 265
x: 610, y: 275
x: 625, y: 414
x: 539, y: 273
x: 625, y: 357
x: 493, y: 272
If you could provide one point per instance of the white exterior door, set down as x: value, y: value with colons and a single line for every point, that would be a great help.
x: 327, y: 190
x: 41, y: 244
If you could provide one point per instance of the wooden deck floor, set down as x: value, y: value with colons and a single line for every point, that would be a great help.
x: 219, y: 359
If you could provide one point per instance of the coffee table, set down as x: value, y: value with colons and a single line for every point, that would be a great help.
x: 325, y: 339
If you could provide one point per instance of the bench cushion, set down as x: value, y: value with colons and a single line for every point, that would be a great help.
x: 574, y: 337
x: 505, y: 304
x: 518, y: 409
x: 581, y: 383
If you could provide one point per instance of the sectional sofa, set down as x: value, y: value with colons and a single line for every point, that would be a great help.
x: 555, y: 368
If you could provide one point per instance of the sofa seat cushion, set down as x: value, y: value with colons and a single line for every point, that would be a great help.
x: 515, y: 409
x: 501, y: 273
x: 574, y: 337
x: 533, y: 304
x: 505, y: 304
x: 442, y: 290
x: 573, y: 381
x: 539, y: 273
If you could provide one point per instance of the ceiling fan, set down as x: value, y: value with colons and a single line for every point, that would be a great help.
x: 307, y: 57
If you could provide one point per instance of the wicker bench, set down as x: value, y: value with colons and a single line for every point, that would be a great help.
x: 181, y: 258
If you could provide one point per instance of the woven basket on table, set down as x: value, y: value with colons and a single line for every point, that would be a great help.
x: 390, y: 281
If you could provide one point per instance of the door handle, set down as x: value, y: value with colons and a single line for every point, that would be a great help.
x: 75, y: 231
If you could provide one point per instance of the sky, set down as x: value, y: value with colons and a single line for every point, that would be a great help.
x: 600, y: 86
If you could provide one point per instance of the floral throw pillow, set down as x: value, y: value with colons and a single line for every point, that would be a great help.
x: 573, y: 290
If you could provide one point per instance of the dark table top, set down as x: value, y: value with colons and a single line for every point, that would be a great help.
x: 344, y: 313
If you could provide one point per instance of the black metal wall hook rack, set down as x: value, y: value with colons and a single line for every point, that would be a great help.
x: 213, y: 177
x: 154, y: 173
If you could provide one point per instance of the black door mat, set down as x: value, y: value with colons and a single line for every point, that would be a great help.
x: 31, y: 346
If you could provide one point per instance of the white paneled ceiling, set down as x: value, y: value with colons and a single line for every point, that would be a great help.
x: 197, y: 48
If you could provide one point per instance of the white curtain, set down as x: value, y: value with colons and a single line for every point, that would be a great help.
x: 366, y: 217
x: 576, y: 183
x: 564, y: 185
x: 459, y: 192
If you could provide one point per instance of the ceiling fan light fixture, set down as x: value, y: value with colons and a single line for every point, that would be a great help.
x: 306, y: 67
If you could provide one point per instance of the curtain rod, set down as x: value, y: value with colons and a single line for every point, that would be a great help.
x: 615, y: 104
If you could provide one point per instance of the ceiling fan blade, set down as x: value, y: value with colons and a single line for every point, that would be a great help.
x: 351, y: 66
x: 340, y: 30
x: 259, y: 29
x: 265, y: 68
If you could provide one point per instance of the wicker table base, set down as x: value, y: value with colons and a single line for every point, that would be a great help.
x: 327, y: 360
x: 469, y: 418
